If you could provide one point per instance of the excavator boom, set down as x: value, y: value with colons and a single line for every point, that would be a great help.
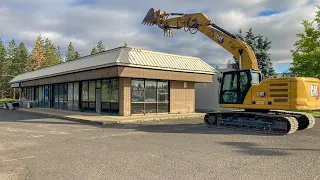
x: 195, y: 22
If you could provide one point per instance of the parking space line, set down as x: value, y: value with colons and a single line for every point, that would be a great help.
x: 8, y: 160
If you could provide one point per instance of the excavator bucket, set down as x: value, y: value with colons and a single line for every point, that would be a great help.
x: 154, y: 17
x: 150, y: 18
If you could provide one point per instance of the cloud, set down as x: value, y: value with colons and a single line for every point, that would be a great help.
x: 85, y: 22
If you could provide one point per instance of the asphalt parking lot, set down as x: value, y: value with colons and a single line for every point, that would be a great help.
x: 38, y: 147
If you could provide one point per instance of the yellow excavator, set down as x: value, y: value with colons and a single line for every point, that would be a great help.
x: 268, y: 105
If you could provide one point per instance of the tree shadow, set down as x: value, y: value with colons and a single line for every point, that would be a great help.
x: 185, y: 128
x: 13, y: 116
x: 253, y: 149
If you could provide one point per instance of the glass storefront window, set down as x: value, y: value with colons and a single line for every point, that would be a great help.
x: 149, y: 96
x: 92, y: 95
x: 70, y: 96
x: 61, y: 96
x: 98, y: 83
x: 85, y: 95
x: 56, y: 96
x: 41, y: 98
x: 30, y: 93
x: 36, y: 99
x: 105, y: 90
x: 114, y: 90
x: 65, y: 96
x: 76, y: 96
x: 137, y: 91
x: 114, y: 108
x: 151, y: 91
x: 46, y: 96
x: 163, y: 91
x: 110, y: 95
x: 24, y: 93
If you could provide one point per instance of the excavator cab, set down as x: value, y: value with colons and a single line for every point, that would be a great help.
x: 236, y: 84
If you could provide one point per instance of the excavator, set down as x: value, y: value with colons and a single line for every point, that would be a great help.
x: 266, y: 105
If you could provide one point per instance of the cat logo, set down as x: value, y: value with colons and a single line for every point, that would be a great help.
x: 314, y: 91
x: 220, y: 39
x: 261, y: 94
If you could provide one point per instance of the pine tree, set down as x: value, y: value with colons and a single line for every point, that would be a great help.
x: 52, y: 54
x: 12, y: 60
x: 38, y: 54
x: 2, y: 68
x: 71, y: 54
x: 49, y: 54
x: 251, y: 40
x: 76, y: 55
x: 260, y: 46
x: 9, y: 68
x: 100, y: 47
x: 2, y: 57
x: 239, y: 35
x: 22, y: 55
x: 93, y: 51
x: 58, y: 55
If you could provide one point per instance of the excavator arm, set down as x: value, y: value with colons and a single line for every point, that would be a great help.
x: 200, y: 22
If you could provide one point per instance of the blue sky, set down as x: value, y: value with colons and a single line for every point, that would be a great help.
x: 85, y: 22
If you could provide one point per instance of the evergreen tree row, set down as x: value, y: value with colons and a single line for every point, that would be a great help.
x: 16, y: 59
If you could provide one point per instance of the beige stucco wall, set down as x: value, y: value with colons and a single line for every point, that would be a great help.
x: 78, y: 76
x: 160, y: 74
x: 125, y: 96
x: 128, y: 72
x: 182, y: 99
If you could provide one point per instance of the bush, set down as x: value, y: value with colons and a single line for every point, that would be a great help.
x: 7, y: 100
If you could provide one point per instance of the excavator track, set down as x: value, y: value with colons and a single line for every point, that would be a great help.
x: 253, y: 121
x: 306, y: 120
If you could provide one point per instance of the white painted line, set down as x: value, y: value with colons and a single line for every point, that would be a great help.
x: 8, y: 160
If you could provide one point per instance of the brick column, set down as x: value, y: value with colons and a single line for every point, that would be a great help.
x: 125, y: 96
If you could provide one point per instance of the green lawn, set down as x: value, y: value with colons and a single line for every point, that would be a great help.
x: 2, y: 101
x: 316, y: 114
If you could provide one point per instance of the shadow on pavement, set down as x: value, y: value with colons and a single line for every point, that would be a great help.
x: 253, y: 149
x: 192, y: 128
x: 249, y: 148
x: 22, y: 117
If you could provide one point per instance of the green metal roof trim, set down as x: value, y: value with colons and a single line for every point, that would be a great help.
x: 125, y: 56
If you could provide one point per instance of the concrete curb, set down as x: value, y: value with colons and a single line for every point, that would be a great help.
x: 135, y: 121
x: 119, y: 122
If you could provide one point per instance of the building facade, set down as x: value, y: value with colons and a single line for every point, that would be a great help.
x: 122, y: 81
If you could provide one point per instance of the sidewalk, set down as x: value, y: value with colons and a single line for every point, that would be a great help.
x: 94, y: 118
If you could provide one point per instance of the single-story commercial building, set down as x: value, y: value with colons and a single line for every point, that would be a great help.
x: 121, y: 81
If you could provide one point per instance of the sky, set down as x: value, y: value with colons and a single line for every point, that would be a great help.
x: 85, y: 22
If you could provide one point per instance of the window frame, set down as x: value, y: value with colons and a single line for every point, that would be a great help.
x: 144, y: 102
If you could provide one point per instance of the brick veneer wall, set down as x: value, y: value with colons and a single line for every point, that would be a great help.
x: 182, y: 99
